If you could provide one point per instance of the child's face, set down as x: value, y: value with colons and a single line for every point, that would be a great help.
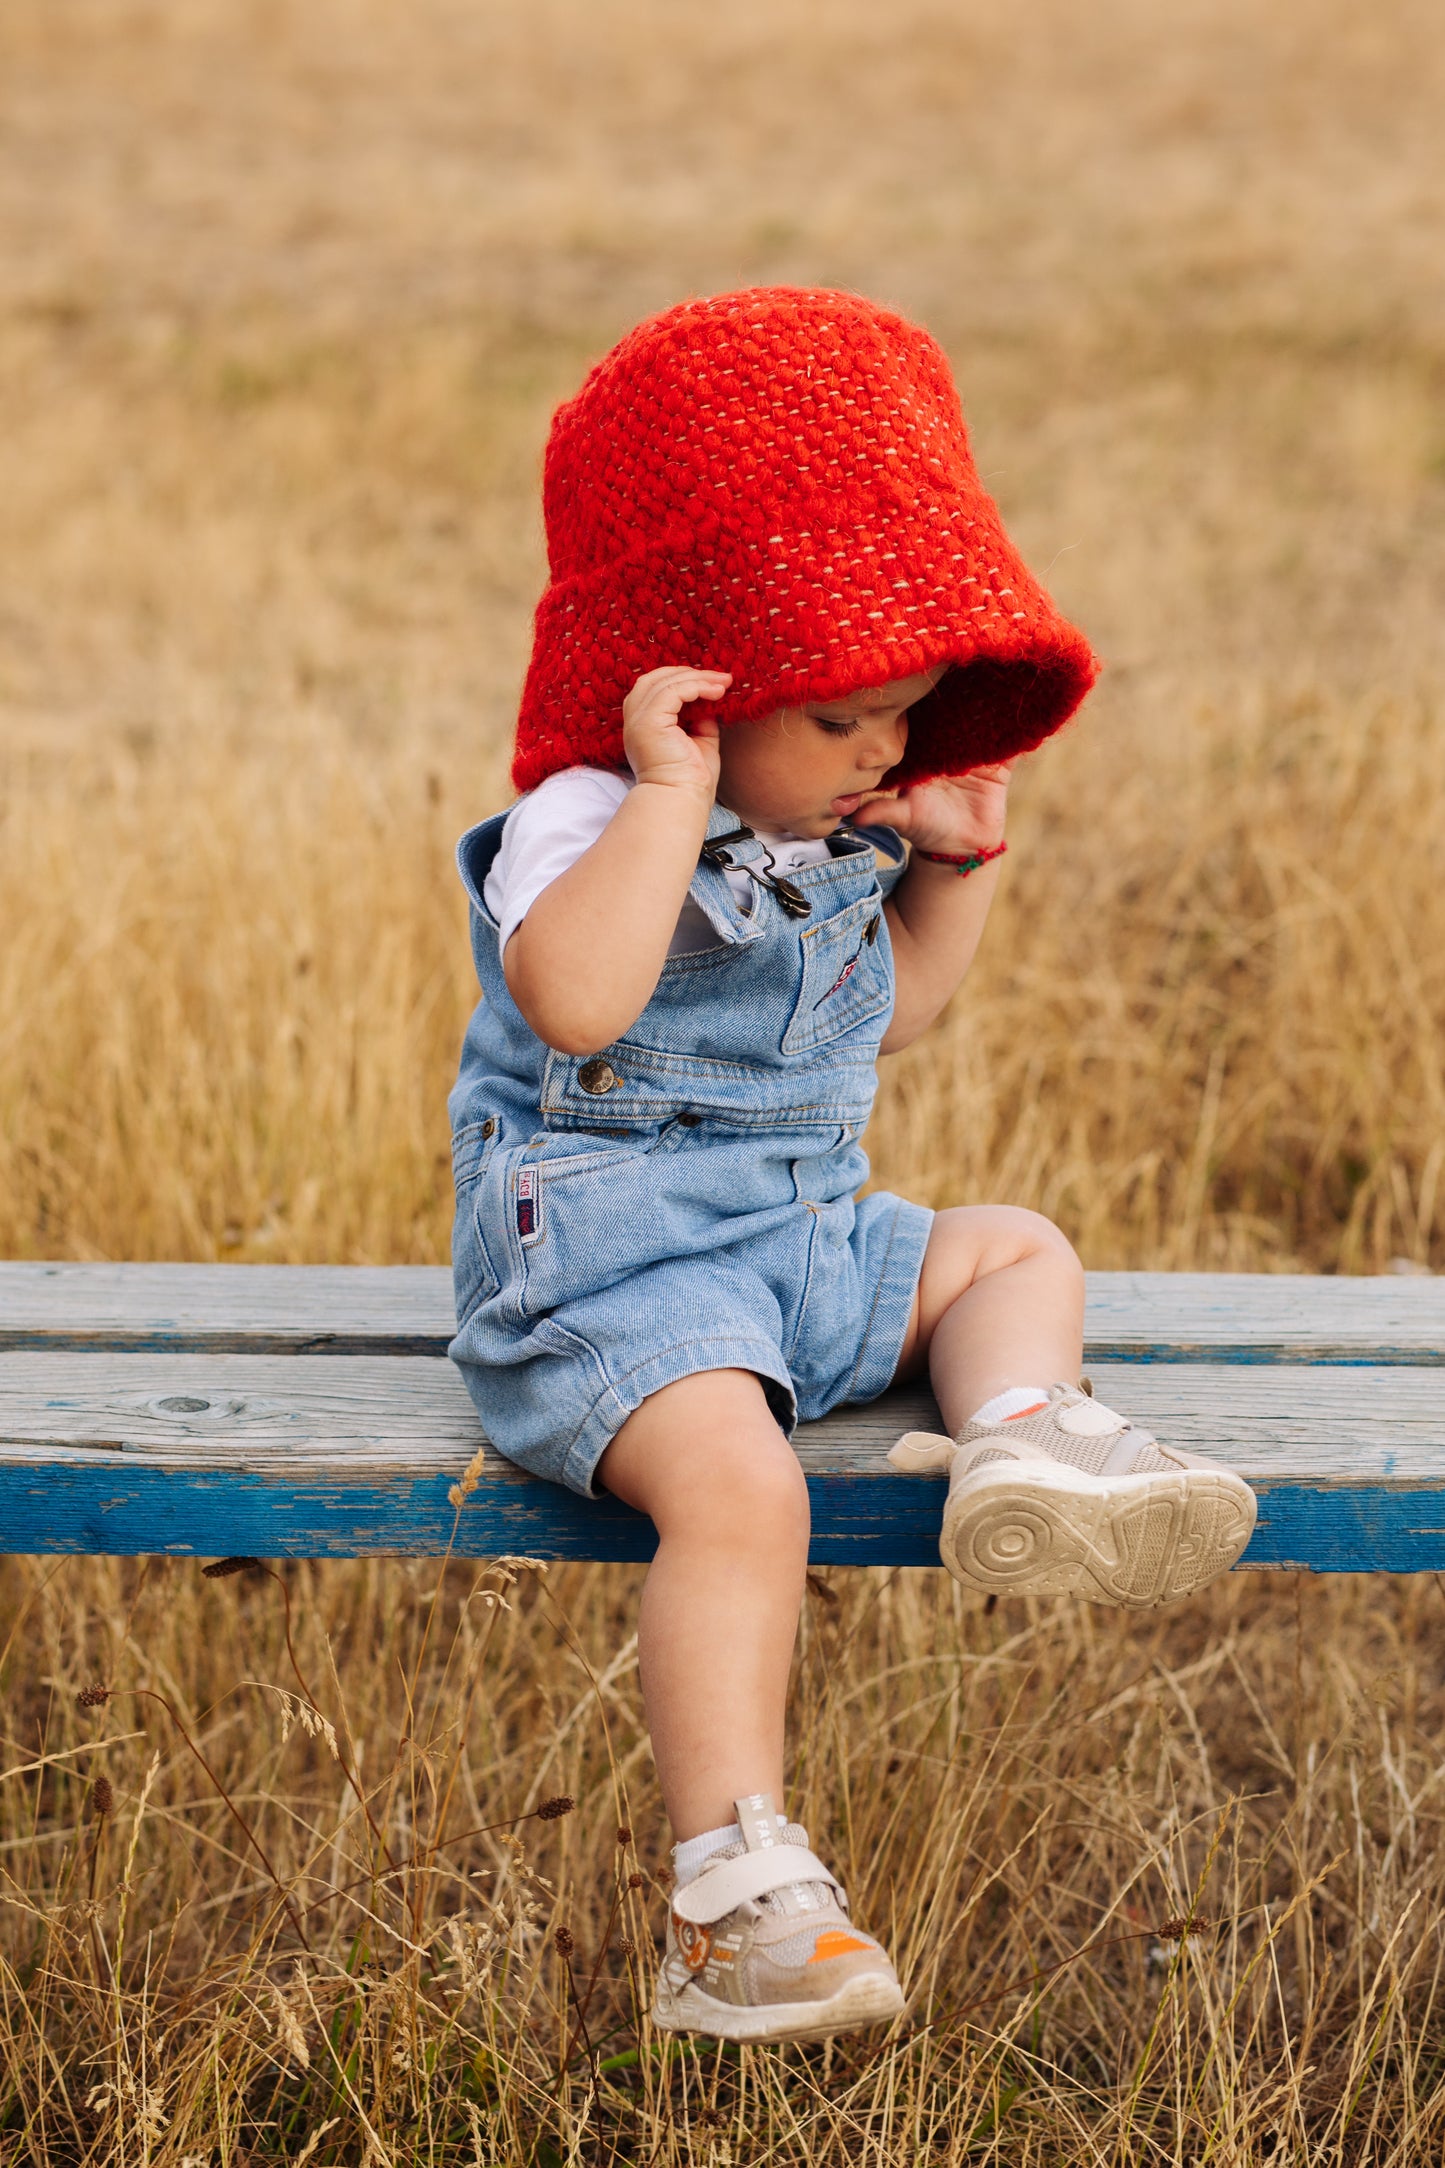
x: 806, y: 769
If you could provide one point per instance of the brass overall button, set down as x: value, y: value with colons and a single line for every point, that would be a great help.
x: 597, y: 1076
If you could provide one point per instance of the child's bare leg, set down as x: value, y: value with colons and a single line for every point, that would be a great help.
x: 1000, y: 1303
x: 1050, y: 1493
x: 707, y: 1462
x: 750, y: 1955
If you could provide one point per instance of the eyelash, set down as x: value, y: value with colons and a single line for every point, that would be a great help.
x: 837, y: 730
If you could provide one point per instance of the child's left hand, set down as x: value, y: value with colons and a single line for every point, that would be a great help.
x: 956, y: 813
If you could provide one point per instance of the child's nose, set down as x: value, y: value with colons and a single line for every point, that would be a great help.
x: 886, y: 740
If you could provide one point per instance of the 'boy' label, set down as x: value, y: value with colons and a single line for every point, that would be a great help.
x: 529, y: 1203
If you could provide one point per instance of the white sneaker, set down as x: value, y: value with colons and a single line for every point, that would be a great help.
x: 760, y: 1946
x: 1069, y: 1499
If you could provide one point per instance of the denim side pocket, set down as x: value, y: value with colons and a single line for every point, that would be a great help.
x: 474, y: 1276
x: 577, y: 1221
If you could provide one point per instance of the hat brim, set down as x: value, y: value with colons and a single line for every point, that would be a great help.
x: 808, y: 616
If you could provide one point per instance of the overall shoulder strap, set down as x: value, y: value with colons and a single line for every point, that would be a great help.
x: 475, y: 853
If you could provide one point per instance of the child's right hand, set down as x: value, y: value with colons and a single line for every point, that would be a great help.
x: 658, y: 748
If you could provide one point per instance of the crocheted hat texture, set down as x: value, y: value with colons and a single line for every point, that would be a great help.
x: 778, y: 483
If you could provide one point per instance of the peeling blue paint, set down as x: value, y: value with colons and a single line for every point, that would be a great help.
x: 860, y: 1520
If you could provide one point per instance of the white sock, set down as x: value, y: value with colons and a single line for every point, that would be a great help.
x: 1018, y: 1400
x: 692, y: 1855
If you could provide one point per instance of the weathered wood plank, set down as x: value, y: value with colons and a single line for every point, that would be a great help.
x: 271, y: 1413
x: 220, y: 1309
x: 290, y: 1457
x: 407, y: 1310
x: 1261, y: 1317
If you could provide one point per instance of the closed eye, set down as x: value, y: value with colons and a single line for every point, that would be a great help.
x: 836, y: 729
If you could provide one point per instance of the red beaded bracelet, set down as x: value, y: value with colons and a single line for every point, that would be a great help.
x: 963, y: 862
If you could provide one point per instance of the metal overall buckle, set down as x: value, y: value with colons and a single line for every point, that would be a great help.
x: 716, y: 854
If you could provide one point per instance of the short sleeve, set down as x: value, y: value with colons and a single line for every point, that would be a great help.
x: 547, y: 831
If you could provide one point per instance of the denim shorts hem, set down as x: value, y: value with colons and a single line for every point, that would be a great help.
x: 665, y: 1366
x: 892, y: 1307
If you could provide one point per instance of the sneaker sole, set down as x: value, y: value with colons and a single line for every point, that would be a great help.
x: 870, y: 1999
x: 1132, y: 1541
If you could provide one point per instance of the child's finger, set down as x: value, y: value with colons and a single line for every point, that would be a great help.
x: 892, y: 810
x: 664, y: 693
x: 673, y: 705
x: 673, y: 675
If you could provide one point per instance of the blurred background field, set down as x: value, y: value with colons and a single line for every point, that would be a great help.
x: 287, y: 295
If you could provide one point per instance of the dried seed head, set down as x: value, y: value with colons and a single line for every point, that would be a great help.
x: 92, y: 1697
x: 102, y: 1798
x: 565, y: 1941
x: 225, y: 1567
x: 1178, y: 1930
x: 552, y: 1810
x: 634, y: 1881
x: 471, y: 1476
x: 624, y: 1836
x: 289, y: 2028
x: 627, y: 1946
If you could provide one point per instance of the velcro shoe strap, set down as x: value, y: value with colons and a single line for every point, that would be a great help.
x: 731, y: 1882
x: 920, y: 1452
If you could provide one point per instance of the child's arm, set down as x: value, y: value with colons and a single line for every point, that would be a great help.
x: 935, y: 915
x: 584, y: 962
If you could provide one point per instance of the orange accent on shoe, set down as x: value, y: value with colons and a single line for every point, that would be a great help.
x: 835, y: 1944
x: 693, y: 1942
x: 1019, y: 1413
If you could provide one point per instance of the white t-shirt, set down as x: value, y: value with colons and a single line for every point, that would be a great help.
x: 548, y: 830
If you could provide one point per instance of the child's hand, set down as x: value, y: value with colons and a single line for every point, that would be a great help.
x: 658, y: 748
x: 956, y: 813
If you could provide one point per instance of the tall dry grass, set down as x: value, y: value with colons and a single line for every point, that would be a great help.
x: 286, y: 296
x: 1162, y: 1893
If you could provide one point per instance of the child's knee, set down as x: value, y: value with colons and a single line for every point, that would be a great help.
x: 1041, y: 1238
x: 748, y: 1492
x: 993, y: 1237
x: 706, y: 1458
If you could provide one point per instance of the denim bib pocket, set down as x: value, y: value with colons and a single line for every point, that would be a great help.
x: 847, y: 977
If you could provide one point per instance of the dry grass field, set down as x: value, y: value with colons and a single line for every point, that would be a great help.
x: 286, y: 296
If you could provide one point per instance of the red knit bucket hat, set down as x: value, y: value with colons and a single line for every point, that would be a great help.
x: 778, y: 483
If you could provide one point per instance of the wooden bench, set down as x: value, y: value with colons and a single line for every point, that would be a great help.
x: 307, y: 1411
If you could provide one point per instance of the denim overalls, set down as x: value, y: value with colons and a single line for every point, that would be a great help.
x: 683, y: 1200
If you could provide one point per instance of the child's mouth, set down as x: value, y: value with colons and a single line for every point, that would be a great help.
x: 844, y: 806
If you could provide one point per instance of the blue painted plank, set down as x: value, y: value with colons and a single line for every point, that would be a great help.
x: 273, y: 1456
x: 113, y: 1508
x: 1371, y: 1528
